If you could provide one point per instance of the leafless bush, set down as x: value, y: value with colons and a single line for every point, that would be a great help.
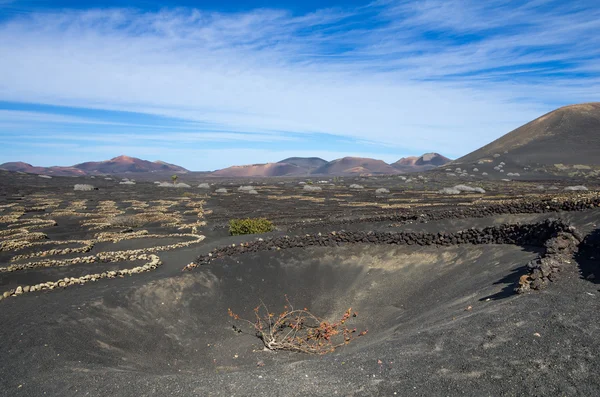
x: 204, y: 186
x: 126, y: 221
x: 221, y: 190
x: 382, y: 190
x: 299, y: 330
x: 356, y: 186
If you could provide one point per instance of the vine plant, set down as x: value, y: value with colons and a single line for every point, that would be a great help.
x: 299, y: 330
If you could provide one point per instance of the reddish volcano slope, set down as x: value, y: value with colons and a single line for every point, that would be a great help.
x: 123, y: 164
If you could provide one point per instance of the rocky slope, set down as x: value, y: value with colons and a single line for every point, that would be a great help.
x: 565, y: 141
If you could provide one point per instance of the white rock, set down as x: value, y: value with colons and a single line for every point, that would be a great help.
x: 311, y: 188
x: 576, y: 188
x: 83, y: 187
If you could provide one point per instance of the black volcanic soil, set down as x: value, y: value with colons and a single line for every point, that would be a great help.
x: 443, y: 321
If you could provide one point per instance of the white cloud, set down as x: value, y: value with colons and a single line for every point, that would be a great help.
x: 164, y: 138
x: 268, y: 71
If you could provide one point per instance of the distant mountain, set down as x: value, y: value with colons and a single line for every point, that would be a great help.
x: 261, y: 170
x: 405, y: 161
x: 292, y: 166
x: 434, y: 159
x: 19, y: 166
x: 355, y: 166
x: 308, y: 163
x: 125, y: 164
x: 306, y: 166
x: 117, y: 165
x: 423, y: 163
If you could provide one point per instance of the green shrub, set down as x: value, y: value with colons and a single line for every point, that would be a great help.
x: 249, y: 226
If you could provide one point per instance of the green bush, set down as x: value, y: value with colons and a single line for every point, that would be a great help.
x: 250, y: 226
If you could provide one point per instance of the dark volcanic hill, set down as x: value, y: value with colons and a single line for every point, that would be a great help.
x: 567, y: 138
x: 355, y: 166
x: 423, y: 163
x: 123, y: 164
x: 434, y: 159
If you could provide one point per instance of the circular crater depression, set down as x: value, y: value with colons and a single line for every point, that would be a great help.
x: 180, y: 324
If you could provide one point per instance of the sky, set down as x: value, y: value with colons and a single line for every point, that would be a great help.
x: 210, y: 84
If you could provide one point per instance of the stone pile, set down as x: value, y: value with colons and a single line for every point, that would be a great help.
x: 559, y: 250
x: 106, y: 257
x: 536, y: 234
x: 524, y: 206
x: 154, y: 262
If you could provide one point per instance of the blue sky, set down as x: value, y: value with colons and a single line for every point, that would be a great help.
x: 214, y: 83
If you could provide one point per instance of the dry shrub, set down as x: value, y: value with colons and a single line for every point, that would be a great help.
x: 138, y: 220
x: 299, y: 330
x: 126, y: 221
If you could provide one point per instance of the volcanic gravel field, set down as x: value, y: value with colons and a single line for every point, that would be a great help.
x: 125, y: 290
